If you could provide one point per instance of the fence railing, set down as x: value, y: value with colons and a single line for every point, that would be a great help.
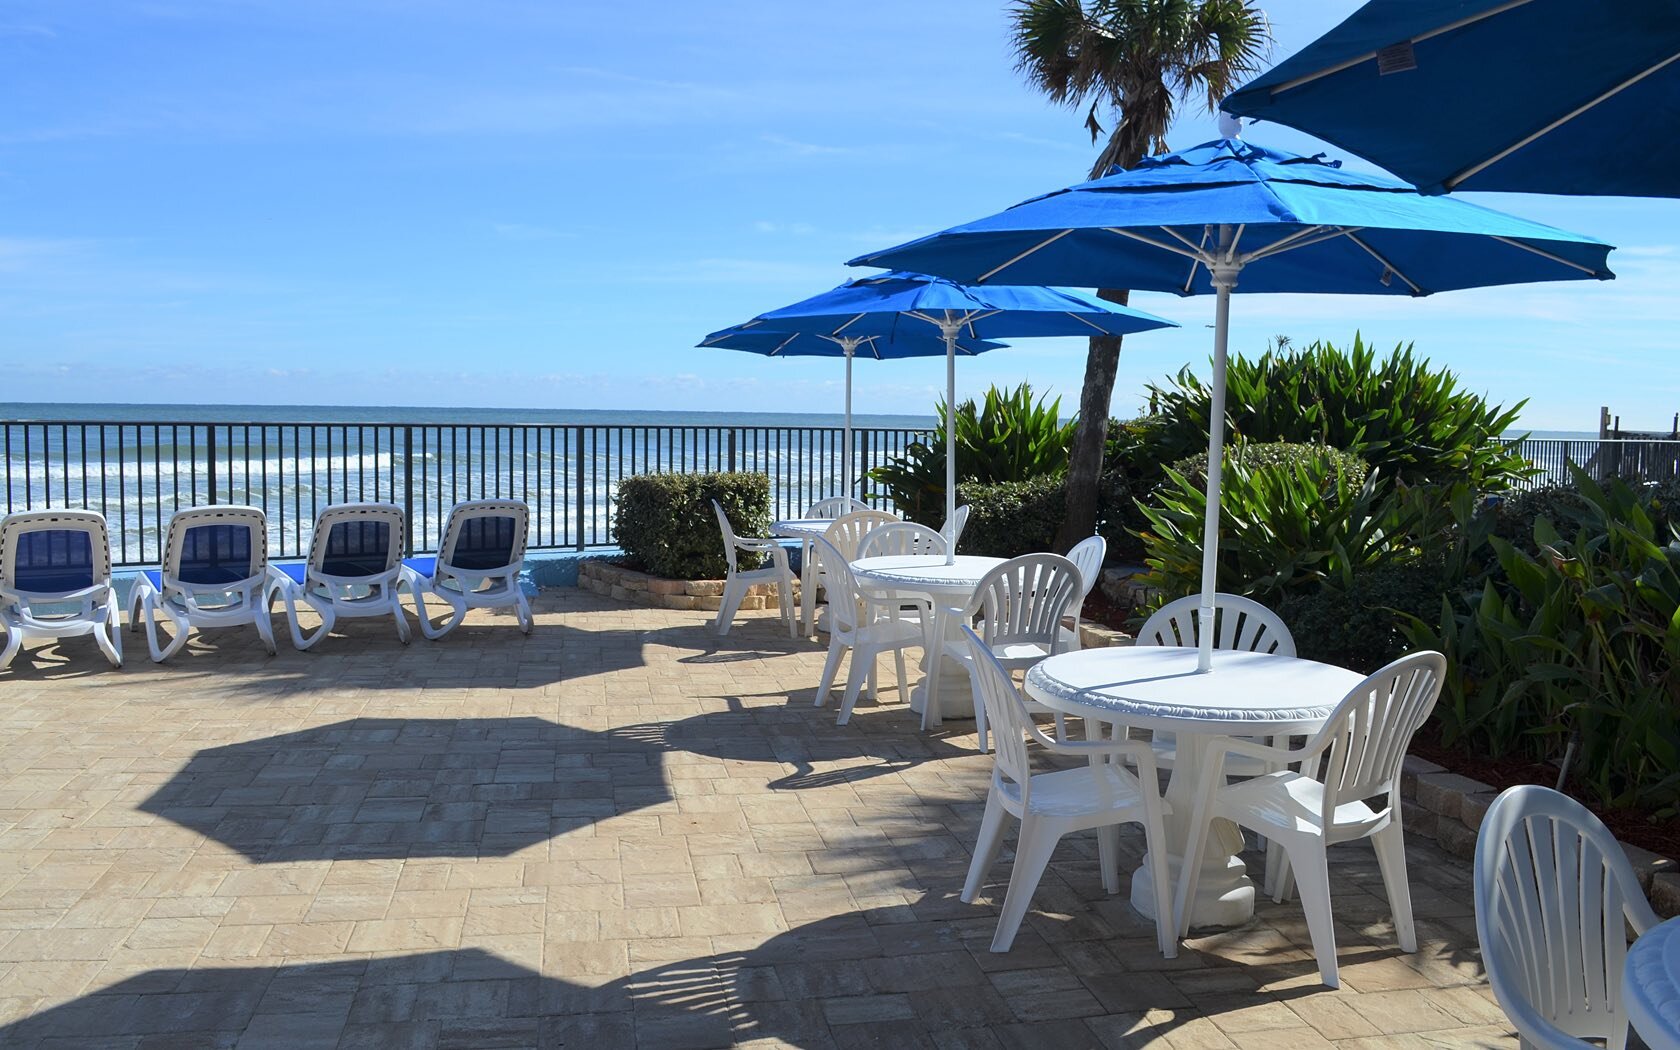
x: 1642, y: 458
x: 138, y: 474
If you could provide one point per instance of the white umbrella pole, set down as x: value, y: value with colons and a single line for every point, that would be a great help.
x: 1224, y: 279
x: 950, y: 434
x: 846, y: 452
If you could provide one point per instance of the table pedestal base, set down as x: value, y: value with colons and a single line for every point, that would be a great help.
x: 956, y: 696
x: 1224, y: 892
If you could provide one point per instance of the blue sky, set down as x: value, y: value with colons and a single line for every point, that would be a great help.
x: 534, y: 204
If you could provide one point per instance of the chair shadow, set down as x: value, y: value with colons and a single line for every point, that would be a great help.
x: 409, y: 787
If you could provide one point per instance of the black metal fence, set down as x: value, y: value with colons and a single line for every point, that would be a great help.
x: 1645, y: 459
x: 138, y: 474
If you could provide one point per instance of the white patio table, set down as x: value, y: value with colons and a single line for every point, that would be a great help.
x: 1157, y: 688
x: 804, y: 530
x: 949, y: 586
x: 1651, y: 986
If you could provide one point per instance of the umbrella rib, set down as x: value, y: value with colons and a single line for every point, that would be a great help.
x: 849, y: 323
x: 783, y: 345
x: 1192, y: 254
x: 1299, y: 239
x: 999, y: 269
x: 1452, y: 182
x: 1087, y: 321
x: 1388, y: 267
x: 1308, y: 78
x: 1560, y: 260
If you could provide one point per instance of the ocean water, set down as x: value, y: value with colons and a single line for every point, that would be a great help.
x: 137, y: 464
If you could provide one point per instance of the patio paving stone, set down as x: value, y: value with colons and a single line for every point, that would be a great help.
x: 620, y: 831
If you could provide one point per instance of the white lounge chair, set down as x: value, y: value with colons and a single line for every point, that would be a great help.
x: 477, y: 566
x: 57, y: 557
x: 214, y: 574
x: 739, y: 580
x: 354, y: 567
x: 1555, y: 896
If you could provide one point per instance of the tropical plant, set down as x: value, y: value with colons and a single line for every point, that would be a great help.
x: 1010, y: 518
x: 1410, y: 421
x: 1129, y: 62
x: 666, y: 525
x: 1287, y: 523
x: 1010, y: 436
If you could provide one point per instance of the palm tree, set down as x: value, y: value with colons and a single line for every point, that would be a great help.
x: 1130, y: 62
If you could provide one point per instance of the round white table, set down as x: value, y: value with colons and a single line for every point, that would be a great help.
x: 1157, y: 688
x: 804, y: 530
x: 1651, y: 986
x: 949, y: 585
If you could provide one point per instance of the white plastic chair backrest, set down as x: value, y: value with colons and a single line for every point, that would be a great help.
x: 1554, y: 895
x: 355, y: 542
x: 842, y: 586
x: 214, y: 549
x: 901, y: 537
x: 952, y: 530
x: 48, y: 552
x: 1024, y: 599
x: 1088, y: 555
x: 728, y: 531
x: 848, y: 530
x: 1366, y: 736
x: 1006, y: 716
x: 484, y: 537
x: 1239, y: 623
x: 834, y: 507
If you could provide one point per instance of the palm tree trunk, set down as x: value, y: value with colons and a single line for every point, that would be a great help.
x: 1090, y: 436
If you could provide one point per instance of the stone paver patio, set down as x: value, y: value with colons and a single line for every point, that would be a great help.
x: 619, y: 832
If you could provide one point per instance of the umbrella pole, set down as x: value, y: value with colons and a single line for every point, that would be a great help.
x: 950, y: 434
x: 1224, y: 279
x: 846, y: 452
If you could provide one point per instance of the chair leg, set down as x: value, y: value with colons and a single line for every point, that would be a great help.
x: 1312, y: 873
x: 109, y: 634
x: 402, y: 621
x: 522, y: 610
x: 1390, y: 844
x: 986, y: 847
x: 1032, y: 855
x: 874, y: 676
x: 1108, y: 856
x: 152, y: 609
x: 264, y: 620
x: 14, y: 642
x: 836, y: 648
x: 903, y: 683
x: 733, y: 591
x: 861, y: 658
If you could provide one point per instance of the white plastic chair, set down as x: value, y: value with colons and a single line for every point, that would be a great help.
x: 1020, y: 605
x: 735, y: 586
x: 848, y: 530
x: 477, y: 566
x: 898, y: 538
x: 354, y: 570
x: 1555, y: 895
x: 864, y: 623
x: 1087, y: 556
x: 833, y: 507
x: 952, y: 530
x: 1358, y: 751
x: 57, y: 557
x: 1101, y: 795
x: 214, y: 573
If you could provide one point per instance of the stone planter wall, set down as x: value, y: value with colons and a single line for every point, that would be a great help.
x: 616, y: 581
x: 1449, y: 808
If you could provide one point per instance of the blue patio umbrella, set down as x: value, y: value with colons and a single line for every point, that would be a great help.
x: 754, y: 338
x: 1537, y: 96
x: 1197, y: 221
x: 896, y: 305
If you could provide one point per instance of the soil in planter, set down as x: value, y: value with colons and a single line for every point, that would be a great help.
x: 1632, y: 826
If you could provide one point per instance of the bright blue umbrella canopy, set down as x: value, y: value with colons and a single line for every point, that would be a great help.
x: 1297, y: 224
x: 908, y: 306
x: 756, y: 337
x: 1230, y: 216
x: 1536, y: 96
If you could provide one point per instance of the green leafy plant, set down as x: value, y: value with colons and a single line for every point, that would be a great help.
x: 1411, y: 422
x: 666, y: 526
x: 1361, y: 623
x: 1009, y: 436
x: 1288, y: 522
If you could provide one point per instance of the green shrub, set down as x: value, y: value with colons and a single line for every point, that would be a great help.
x: 1578, y: 640
x: 1022, y: 517
x: 1276, y: 454
x: 1409, y: 421
x: 666, y: 526
x: 1515, y: 515
x: 1288, y: 522
x: 1361, y: 624
x: 1010, y: 437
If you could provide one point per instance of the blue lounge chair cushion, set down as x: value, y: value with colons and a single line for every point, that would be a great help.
x: 295, y: 571
x: 357, y: 549
x: 53, y: 561
x: 212, y: 555
x: 424, y: 566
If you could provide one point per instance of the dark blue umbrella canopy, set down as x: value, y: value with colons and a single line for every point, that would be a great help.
x: 757, y: 337
x: 1294, y: 223
x: 1536, y: 96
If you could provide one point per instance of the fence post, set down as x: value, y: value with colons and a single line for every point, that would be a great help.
x: 210, y: 457
x: 408, y: 488
x: 577, y: 483
x: 731, y: 436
